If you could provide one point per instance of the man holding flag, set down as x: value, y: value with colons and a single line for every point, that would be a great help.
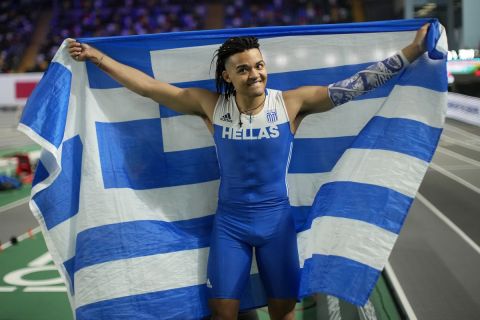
x: 253, y: 130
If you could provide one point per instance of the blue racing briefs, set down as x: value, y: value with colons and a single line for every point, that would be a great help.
x: 235, y: 233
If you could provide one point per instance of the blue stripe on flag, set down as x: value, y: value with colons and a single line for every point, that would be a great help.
x: 47, y: 108
x: 135, y: 56
x: 69, y: 266
x: 131, y: 156
x: 300, y: 215
x: 183, y: 39
x: 401, y: 135
x: 338, y: 276
x: 180, y: 303
x: 426, y: 73
x: 140, y: 238
x: 59, y: 201
x: 314, y: 155
x: 386, y: 208
x: 41, y: 173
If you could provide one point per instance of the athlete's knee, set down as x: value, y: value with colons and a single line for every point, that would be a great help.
x: 224, y: 309
x: 281, y: 309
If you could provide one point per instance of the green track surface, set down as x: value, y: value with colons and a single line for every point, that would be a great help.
x: 23, y: 305
x: 9, y: 196
x: 10, y: 151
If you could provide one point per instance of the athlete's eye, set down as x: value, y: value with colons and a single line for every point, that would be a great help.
x: 260, y: 66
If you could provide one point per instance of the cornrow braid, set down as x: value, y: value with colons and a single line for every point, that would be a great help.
x: 228, y: 48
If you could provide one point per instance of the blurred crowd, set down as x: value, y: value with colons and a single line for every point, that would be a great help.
x: 254, y: 13
x: 102, y: 18
x: 17, y: 22
x: 97, y: 18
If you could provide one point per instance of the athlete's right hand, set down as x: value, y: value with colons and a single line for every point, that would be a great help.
x: 79, y: 51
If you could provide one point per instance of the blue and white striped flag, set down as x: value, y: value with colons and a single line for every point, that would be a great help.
x: 125, y: 190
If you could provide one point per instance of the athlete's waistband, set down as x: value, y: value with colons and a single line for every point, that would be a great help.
x: 276, y: 204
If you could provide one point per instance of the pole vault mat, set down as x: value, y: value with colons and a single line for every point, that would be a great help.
x: 31, y: 289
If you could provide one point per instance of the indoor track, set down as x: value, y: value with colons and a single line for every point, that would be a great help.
x: 437, y: 256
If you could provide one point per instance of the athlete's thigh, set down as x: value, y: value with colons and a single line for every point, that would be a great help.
x: 278, y: 261
x: 229, y: 261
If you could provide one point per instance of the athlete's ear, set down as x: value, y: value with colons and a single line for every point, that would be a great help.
x: 226, y: 77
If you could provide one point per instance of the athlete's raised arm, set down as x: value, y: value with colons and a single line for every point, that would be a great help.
x: 194, y: 101
x: 312, y: 99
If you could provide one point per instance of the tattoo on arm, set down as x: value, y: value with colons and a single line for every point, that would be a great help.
x: 366, y: 80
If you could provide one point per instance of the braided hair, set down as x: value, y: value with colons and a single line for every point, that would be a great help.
x: 227, y: 49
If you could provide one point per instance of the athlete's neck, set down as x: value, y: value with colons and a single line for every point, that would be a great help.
x: 250, y: 105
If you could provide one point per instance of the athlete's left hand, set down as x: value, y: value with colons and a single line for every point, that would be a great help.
x: 418, y: 46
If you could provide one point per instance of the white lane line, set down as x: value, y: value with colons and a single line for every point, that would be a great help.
x: 405, y: 304
x: 7, y: 289
x: 458, y: 156
x: 333, y: 305
x: 367, y: 312
x: 464, y: 144
x: 22, y: 237
x: 462, y: 132
x: 46, y: 289
x: 455, y: 178
x: 448, y: 222
x: 14, y: 204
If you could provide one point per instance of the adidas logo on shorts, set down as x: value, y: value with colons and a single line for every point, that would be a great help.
x: 209, y: 285
x: 226, y: 117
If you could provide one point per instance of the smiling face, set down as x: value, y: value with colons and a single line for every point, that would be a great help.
x: 246, y: 71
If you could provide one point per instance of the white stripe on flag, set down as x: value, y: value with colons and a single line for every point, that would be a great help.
x: 348, y: 238
x: 304, y: 186
x: 406, y: 102
x: 127, y: 277
x: 176, y: 65
x: 121, y: 104
x: 404, y: 174
x: 175, y: 139
x: 369, y: 166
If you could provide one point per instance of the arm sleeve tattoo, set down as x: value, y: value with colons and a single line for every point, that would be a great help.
x: 366, y: 80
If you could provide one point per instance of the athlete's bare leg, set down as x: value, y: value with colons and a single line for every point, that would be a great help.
x: 224, y: 309
x: 281, y: 309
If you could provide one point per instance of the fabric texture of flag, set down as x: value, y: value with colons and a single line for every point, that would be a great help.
x: 126, y: 190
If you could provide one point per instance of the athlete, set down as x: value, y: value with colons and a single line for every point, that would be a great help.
x: 253, y: 130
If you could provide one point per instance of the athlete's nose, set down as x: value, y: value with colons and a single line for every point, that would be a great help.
x: 254, y: 74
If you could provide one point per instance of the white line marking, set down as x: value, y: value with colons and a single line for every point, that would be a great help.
x: 405, y: 304
x: 46, y: 289
x: 458, y: 156
x: 14, y: 204
x: 461, y: 132
x: 333, y: 305
x: 448, y: 222
x: 464, y: 144
x: 367, y: 312
x: 455, y: 178
x: 22, y: 237
x: 7, y: 289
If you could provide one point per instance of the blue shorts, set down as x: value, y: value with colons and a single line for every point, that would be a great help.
x: 272, y: 232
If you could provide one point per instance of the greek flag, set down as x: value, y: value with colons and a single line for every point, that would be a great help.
x: 126, y: 189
